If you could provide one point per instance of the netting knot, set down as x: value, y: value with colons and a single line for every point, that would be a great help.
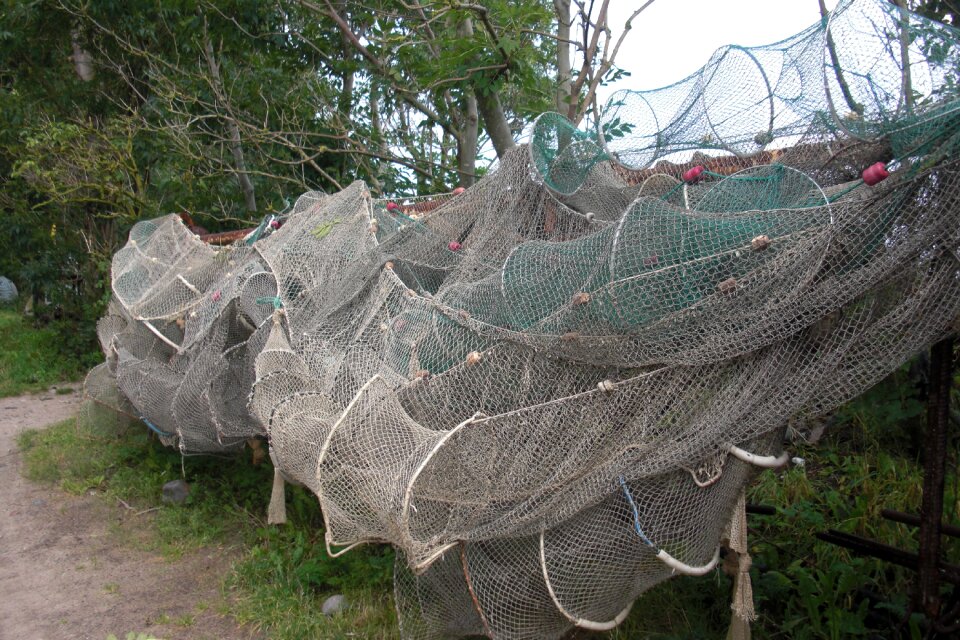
x: 580, y: 298
x: 727, y: 286
x: 760, y: 243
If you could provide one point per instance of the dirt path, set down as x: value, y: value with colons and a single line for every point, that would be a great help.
x: 63, y: 574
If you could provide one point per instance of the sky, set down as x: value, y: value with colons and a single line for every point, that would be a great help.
x: 671, y: 39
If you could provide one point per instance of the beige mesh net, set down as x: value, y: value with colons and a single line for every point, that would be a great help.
x: 548, y: 392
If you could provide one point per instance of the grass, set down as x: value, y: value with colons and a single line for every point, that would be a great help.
x: 31, y: 359
x: 282, y: 574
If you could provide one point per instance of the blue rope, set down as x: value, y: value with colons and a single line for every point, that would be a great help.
x: 155, y: 429
x: 636, y: 514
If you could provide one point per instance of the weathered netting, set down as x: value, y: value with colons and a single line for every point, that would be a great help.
x: 549, y: 391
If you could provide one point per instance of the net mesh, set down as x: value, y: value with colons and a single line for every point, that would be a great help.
x: 548, y: 391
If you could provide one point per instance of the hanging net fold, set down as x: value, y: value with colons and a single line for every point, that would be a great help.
x: 549, y: 391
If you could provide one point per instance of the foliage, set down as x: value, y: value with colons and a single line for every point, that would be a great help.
x: 32, y: 359
x: 229, y: 111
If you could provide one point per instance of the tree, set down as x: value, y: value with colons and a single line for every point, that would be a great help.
x: 450, y: 67
x: 228, y: 110
x: 597, y: 48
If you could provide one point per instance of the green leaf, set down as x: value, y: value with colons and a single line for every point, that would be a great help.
x: 323, y: 229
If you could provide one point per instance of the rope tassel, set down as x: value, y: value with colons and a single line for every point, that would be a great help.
x: 738, y: 564
x: 277, y: 511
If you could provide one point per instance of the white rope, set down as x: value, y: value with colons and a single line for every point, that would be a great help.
x: 157, y: 333
x: 583, y: 623
x: 188, y: 285
x: 687, y: 569
x: 766, y: 462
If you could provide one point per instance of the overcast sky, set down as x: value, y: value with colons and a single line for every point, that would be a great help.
x: 673, y: 38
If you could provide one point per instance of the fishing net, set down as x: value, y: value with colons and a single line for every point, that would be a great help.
x: 549, y: 391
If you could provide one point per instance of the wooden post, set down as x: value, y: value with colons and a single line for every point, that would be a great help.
x: 935, y: 456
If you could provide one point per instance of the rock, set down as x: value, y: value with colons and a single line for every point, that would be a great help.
x: 8, y: 290
x: 333, y: 605
x: 175, y: 491
x: 39, y: 502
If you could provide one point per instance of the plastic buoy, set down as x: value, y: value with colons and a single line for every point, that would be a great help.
x: 454, y: 246
x: 693, y: 175
x: 875, y: 173
x: 393, y: 206
x: 274, y: 224
x: 216, y: 295
x: 458, y: 191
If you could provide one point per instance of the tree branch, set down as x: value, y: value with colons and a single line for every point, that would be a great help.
x: 405, y: 94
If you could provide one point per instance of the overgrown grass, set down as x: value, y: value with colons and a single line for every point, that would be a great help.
x: 31, y: 358
x: 282, y: 574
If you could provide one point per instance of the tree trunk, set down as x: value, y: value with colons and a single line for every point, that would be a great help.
x: 469, y: 128
x: 564, y: 80
x: 835, y: 62
x: 378, y: 147
x: 82, y: 61
x: 345, y: 101
x: 490, y: 109
x: 496, y: 123
x: 236, y: 149
x: 906, y: 83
